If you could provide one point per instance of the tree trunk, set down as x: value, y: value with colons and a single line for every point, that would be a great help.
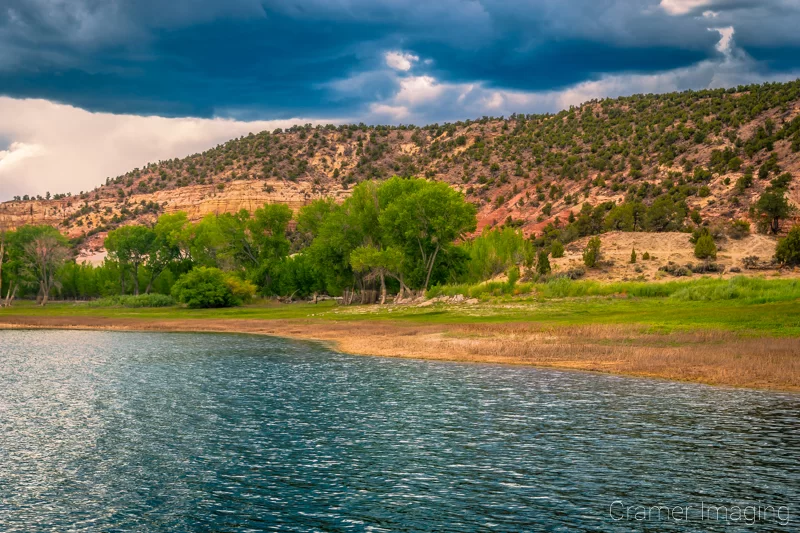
x: 776, y: 225
x: 153, y: 277
x: 383, y: 289
x: 430, y: 267
x: 11, y: 293
x: 136, y: 280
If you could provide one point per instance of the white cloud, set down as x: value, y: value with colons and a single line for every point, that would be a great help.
x: 419, y: 89
x: 60, y: 148
x: 425, y: 99
x: 682, y: 7
x: 400, y: 60
x: 393, y: 113
x: 725, y: 44
x: 16, y: 153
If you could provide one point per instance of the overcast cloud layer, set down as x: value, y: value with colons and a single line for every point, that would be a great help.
x: 93, y: 88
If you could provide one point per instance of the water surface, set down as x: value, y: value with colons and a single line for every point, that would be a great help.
x: 104, y: 431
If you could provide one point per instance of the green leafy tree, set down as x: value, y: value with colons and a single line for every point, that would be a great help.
x: 591, y: 254
x: 379, y: 263
x: 40, y: 253
x: 495, y: 251
x: 267, y: 229
x: 311, y: 217
x: 543, y: 263
x: 211, y: 287
x: 773, y: 207
x: 131, y: 247
x: 705, y: 248
x: 427, y: 218
x: 788, y: 248
x: 557, y: 249
x: 170, y: 246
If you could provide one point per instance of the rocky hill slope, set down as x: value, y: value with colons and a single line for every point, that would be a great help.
x: 524, y: 170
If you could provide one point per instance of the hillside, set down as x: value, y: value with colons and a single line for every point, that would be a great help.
x: 524, y: 170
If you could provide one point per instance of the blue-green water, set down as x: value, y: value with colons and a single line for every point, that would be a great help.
x: 159, y: 432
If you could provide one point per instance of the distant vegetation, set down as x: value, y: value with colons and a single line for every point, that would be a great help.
x: 403, y: 235
x: 400, y: 234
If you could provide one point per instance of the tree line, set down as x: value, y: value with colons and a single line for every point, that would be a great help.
x: 402, y: 235
x: 397, y: 235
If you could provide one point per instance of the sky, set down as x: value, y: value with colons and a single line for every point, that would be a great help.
x: 94, y: 88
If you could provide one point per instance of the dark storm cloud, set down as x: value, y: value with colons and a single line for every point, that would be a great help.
x: 270, y: 58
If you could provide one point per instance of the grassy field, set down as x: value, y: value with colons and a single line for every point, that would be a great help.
x: 740, y: 332
x: 749, y: 306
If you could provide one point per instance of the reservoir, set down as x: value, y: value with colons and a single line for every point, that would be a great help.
x: 170, y: 432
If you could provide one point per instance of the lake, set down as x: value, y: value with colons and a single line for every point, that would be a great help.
x: 113, y: 431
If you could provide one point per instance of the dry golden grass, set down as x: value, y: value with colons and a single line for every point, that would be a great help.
x: 713, y: 357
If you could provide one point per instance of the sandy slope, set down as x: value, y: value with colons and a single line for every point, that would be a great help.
x: 665, y: 247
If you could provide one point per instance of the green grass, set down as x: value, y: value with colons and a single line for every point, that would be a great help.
x: 754, y: 290
x: 142, y: 300
x: 750, y: 306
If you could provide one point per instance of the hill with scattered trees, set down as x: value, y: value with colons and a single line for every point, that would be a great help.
x: 652, y: 162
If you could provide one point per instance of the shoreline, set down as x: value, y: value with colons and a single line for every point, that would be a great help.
x: 715, y: 358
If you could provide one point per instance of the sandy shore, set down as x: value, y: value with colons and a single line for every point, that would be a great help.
x: 712, y: 357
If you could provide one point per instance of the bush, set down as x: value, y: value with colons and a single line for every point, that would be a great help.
x: 591, y: 254
x: 543, y: 264
x: 705, y: 248
x: 646, y: 256
x: 788, y: 249
x: 739, y: 229
x: 557, y: 249
x: 633, y: 255
x: 142, y: 300
x: 697, y: 233
x: 675, y: 270
x: 210, y: 287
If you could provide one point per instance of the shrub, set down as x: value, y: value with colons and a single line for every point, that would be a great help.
x: 646, y: 256
x: 739, y: 229
x: 633, y: 255
x: 557, y: 249
x: 788, y: 249
x: 751, y: 261
x: 543, y: 264
x: 675, y: 270
x: 697, y: 233
x: 210, y: 287
x: 142, y: 300
x: 705, y: 248
x: 591, y: 254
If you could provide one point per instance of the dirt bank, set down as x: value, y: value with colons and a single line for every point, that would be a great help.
x: 712, y: 357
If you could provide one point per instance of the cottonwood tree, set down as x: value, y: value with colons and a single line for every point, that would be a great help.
x: 170, y: 246
x: 424, y: 217
x: 43, y: 251
x: 379, y: 263
x: 131, y: 247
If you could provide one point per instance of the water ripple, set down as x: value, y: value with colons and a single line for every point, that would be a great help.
x: 127, y: 432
